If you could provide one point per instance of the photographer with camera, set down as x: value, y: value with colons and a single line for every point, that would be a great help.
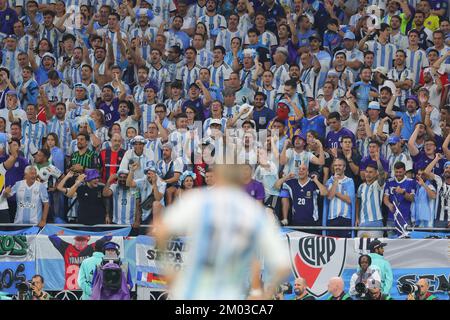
x: 374, y: 291
x: 364, y: 273
x: 32, y: 290
x: 336, y: 289
x: 300, y: 290
x: 419, y: 291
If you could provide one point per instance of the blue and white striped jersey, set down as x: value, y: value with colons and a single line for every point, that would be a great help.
x: 207, y: 123
x: 402, y: 157
x: 61, y: 92
x: 53, y: 35
x: 114, y: 4
x: 280, y: 75
x: 214, y: 22
x: 124, y: 204
x: 227, y: 230
x: 246, y: 77
x: 383, y: 53
x: 311, y: 78
x: 162, y: 8
x: 196, y: 11
x: 30, y: 200
x: 161, y: 77
x: 188, y: 76
x: 144, y: 189
x: 295, y: 159
x: 148, y: 115
x: 371, y: 196
x: 115, y: 43
x: 415, y: 61
x: 139, y: 93
x: 10, y: 61
x: 153, y: 150
x: 205, y: 58
x: 32, y: 135
x: 337, y: 207
x: 224, y: 38
x: 62, y: 128
x: 220, y: 74
x: 271, y: 97
x: 401, y: 75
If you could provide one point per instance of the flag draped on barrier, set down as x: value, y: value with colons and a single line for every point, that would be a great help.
x: 56, y: 253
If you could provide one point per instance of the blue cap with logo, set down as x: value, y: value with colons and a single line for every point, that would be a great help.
x: 394, y: 140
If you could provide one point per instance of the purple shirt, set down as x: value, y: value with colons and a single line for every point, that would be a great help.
x: 111, y: 111
x: 421, y: 161
x: 16, y: 173
x: 8, y: 17
x: 333, y: 139
x: 255, y: 189
x: 403, y: 205
x: 368, y: 160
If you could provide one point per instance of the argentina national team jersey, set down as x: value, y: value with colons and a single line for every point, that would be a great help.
x: 415, y: 61
x: 214, y: 22
x: 148, y: 115
x: 10, y: 61
x: 402, y: 157
x: 188, y: 76
x: 220, y: 74
x: 304, y: 201
x: 196, y: 11
x: 139, y: 93
x: 383, y: 53
x: 161, y: 77
x: 280, y: 75
x: 115, y: 42
x: 62, y: 128
x: 337, y: 207
x: 144, y: 189
x: 296, y: 159
x: 371, y: 196
x: 271, y: 95
x: 153, y: 150
x: 224, y: 38
x: 204, y: 58
x: 311, y: 78
x: 61, y: 92
x: 401, y: 75
x: 162, y: 8
x: 226, y: 230
x: 124, y: 204
x: 32, y: 135
x: 29, y: 201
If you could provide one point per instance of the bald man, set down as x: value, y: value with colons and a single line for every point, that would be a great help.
x: 423, y: 293
x: 300, y: 290
x: 336, y: 289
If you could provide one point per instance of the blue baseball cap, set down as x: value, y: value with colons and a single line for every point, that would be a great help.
x: 394, y: 140
x: 111, y: 246
x: 447, y: 164
x: 349, y: 35
x: 12, y: 93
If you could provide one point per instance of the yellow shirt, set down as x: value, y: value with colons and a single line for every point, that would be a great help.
x: 431, y: 23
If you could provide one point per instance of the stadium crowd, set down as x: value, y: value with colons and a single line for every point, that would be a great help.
x: 338, y: 111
